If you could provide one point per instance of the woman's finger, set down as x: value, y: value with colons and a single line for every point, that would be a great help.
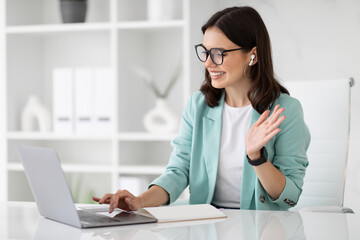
x: 119, y: 200
x: 271, y: 115
x: 276, y: 124
x: 125, y: 194
x: 274, y: 111
x: 111, y: 209
x: 275, y: 115
x: 130, y: 201
x: 106, y: 198
x: 113, y: 202
x: 271, y: 135
x: 262, y: 118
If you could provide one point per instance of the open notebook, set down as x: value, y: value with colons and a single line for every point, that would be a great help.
x: 182, y: 212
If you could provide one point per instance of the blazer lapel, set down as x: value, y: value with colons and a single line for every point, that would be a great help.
x: 212, y: 123
x: 248, y: 175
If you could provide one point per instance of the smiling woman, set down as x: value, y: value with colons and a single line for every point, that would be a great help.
x: 234, y: 147
x: 248, y: 34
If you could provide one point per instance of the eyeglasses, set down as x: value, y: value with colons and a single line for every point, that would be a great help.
x: 216, y: 54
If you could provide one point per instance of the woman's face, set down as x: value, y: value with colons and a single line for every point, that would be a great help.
x: 231, y: 71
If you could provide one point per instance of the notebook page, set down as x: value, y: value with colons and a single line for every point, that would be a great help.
x: 183, y: 212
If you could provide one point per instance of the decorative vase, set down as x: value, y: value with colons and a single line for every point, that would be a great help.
x: 34, y: 111
x: 73, y: 11
x: 161, y: 119
x: 158, y: 10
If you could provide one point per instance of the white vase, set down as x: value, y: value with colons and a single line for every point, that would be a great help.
x: 34, y: 111
x: 158, y: 10
x: 161, y: 119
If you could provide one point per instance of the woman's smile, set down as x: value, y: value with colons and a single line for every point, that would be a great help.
x: 216, y: 75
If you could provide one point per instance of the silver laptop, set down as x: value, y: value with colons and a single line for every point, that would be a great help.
x: 53, y: 197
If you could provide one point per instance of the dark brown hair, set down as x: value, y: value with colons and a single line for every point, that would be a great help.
x: 244, y: 27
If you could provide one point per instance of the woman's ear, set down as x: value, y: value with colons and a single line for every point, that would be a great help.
x: 253, y: 57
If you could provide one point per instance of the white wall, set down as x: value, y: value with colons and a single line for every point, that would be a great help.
x: 312, y: 39
x: 3, y: 172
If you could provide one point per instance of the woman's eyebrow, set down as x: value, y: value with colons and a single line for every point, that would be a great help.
x: 212, y: 47
x: 204, y: 46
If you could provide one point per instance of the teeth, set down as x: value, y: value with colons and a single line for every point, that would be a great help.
x: 216, y: 73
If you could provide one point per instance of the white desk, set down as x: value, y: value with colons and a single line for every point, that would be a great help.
x: 22, y: 221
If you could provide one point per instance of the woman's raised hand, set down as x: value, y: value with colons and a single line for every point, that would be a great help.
x: 265, y: 128
x: 122, y: 199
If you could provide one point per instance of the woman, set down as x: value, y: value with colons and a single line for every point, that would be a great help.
x: 234, y: 148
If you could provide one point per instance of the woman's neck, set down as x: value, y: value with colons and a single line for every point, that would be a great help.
x: 236, y: 95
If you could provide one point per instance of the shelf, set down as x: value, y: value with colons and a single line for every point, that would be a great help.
x: 144, y: 136
x: 142, y: 169
x: 78, y: 168
x: 150, y: 24
x: 126, y: 136
x: 58, y: 28
x: 55, y: 136
x: 117, y: 35
x: 81, y: 27
x: 82, y: 168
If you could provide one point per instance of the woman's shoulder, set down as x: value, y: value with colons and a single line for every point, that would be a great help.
x: 196, y: 104
x: 292, y: 105
x: 287, y: 101
x: 197, y: 98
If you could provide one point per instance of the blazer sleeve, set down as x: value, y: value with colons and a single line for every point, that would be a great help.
x: 290, y: 156
x: 176, y: 176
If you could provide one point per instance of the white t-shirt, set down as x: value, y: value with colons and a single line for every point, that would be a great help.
x: 235, y: 125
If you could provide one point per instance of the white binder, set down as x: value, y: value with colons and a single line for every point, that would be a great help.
x: 63, y: 113
x: 84, y: 100
x: 104, y: 100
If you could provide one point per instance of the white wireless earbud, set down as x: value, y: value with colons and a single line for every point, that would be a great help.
x: 252, y: 59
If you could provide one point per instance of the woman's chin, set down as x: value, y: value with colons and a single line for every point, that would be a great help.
x: 217, y: 85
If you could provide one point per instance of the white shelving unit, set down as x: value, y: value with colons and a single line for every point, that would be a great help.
x: 116, y: 34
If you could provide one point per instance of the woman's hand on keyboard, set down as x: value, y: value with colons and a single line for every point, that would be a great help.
x: 122, y: 199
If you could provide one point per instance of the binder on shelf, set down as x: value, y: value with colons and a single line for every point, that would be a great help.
x: 84, y: 100
x: 104, y: 100
x: 63, y: 117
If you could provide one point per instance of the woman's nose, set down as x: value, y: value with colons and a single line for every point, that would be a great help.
x: 209, y: 63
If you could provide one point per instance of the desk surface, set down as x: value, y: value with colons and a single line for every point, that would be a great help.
x: 22, y: 221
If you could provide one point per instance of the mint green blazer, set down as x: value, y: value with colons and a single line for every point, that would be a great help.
x: 195, y: 156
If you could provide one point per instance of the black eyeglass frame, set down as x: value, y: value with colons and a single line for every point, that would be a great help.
x: 211, y: 56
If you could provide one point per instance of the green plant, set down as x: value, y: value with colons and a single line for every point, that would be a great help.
x: 87, y: 196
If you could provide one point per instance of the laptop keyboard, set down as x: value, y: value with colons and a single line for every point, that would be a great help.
x: 94, y: 218
x: 89, y: 218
